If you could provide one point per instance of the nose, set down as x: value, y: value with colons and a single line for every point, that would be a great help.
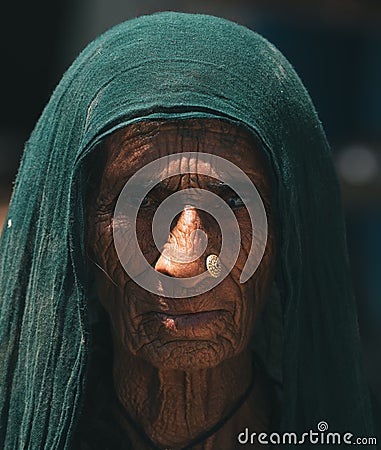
x: 181, y: 256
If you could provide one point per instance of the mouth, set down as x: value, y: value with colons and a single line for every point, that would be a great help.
x: 198, y: 320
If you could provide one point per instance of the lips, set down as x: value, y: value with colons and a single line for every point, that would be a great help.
x: 179, y: 322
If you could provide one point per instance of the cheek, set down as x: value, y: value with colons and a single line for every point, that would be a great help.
x: 256, y: 290
x: 246, y: 237
x: 116, y: 292
x: 102, y: 244
x: 145, y: 238
x: 110, y: 277
x: 257, y: 251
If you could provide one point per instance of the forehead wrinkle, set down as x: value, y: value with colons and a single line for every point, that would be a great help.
x: 131, y: 148
x: 175, y: 139
x: 184, y: 165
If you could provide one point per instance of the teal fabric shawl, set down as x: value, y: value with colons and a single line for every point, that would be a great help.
x: 173, y: 65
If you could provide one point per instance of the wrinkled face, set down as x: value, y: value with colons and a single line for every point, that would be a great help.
x: 189, y: 332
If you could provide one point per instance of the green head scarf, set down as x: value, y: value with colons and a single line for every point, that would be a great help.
x: 173, y: 65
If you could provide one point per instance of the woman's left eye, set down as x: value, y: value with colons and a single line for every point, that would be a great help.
x: 235, y: 202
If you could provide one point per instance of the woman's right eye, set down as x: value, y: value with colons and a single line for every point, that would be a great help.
x: 148, y: 202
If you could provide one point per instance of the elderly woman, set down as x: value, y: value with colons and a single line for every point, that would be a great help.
x: 94, y: 354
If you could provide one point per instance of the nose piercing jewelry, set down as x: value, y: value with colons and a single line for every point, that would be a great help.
x: 213, y: 264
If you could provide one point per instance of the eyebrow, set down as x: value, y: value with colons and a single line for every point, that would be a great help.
x: 238, y: 186
x: 220, y: 188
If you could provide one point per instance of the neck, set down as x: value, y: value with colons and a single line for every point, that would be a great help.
x: 173, y: 407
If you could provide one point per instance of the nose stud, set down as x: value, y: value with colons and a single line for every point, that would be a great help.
x: 213, y: 264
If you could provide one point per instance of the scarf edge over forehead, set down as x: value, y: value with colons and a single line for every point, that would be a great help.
x: 169, y: 65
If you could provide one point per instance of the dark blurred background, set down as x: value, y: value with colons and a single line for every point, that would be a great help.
x: 335, y: 46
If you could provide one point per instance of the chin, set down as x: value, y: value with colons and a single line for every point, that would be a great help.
x: 183, y: 355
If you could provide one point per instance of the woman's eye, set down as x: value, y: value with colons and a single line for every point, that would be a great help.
x: 147, y: 202
x: 138, y: 202
x: 235, y: 202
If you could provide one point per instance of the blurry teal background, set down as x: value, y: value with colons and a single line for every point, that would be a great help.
x: 335, y: 47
